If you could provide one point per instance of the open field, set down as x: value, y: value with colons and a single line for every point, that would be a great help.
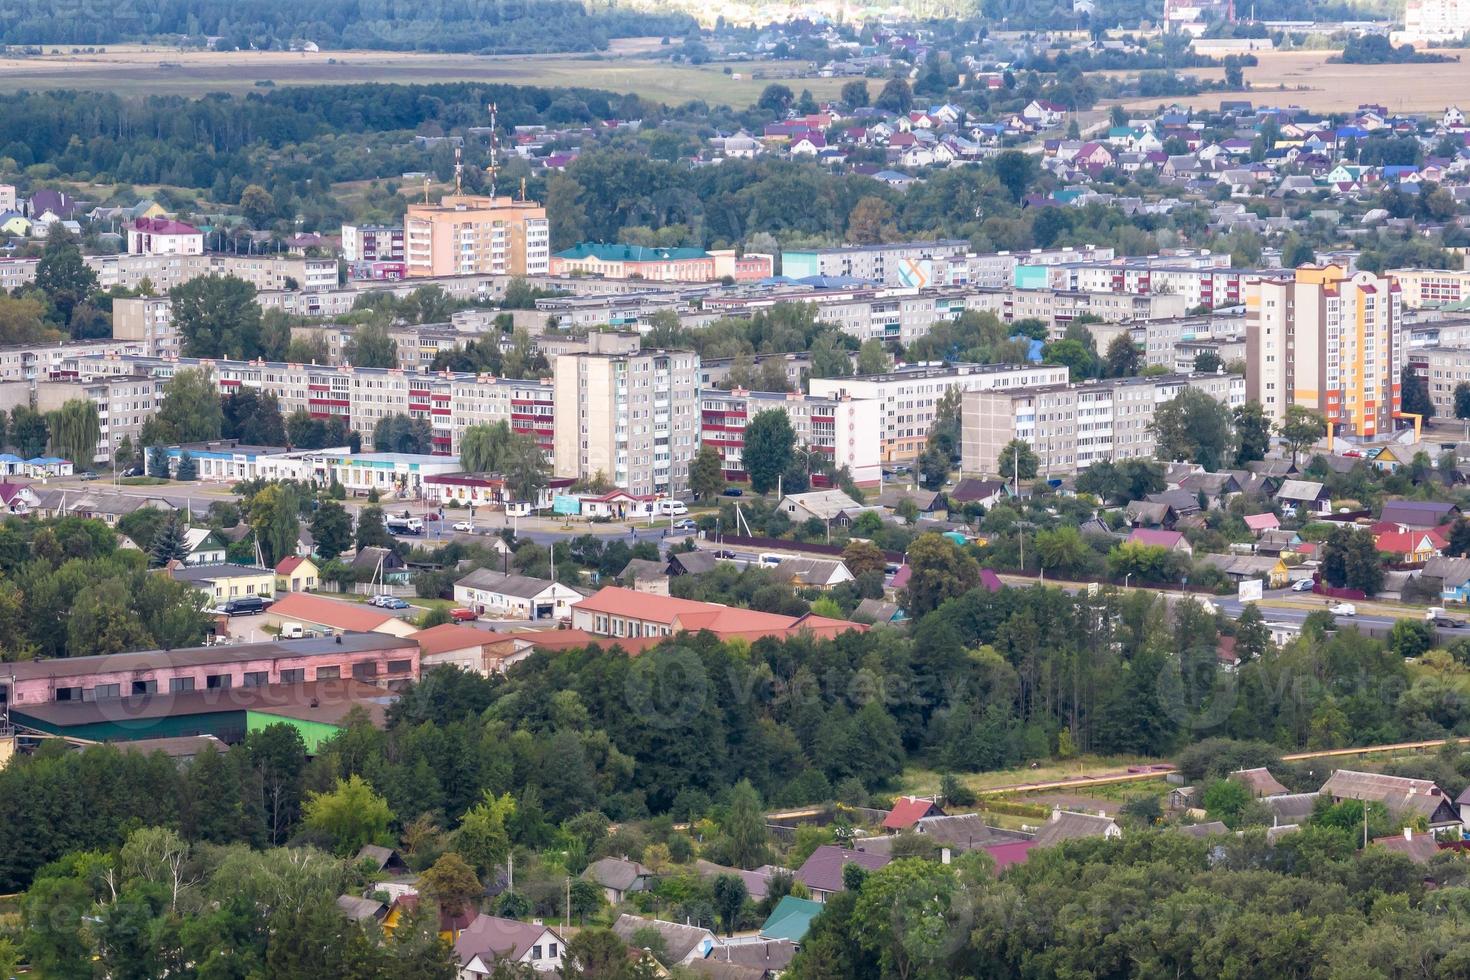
x: 144, y: 70
x: 1306, y: 79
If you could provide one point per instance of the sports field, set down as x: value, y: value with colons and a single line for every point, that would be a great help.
x: 149, y: 70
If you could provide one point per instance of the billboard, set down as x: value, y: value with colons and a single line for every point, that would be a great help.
x: 1250, y: 590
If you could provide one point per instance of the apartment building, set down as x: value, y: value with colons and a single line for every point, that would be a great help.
x: 465, y: 234
x: 124, y: 402
x: 1443, y: 369
x: 15, y: 273
x: 910, y: 396
x: 1058, y: 307
x: 372, y: 243
x: 632, y: 417
x: 660, y: 264
x: 1163, y: 340
x: 714, y: 372
x: 1329, y: 340
x: 840, y: 428
x: 1197, y: 286
x: 529, y: 407
x: 997, y: 270
x: 29, y: 362
x: 894, y: 264
x: 1420, y: 288
x: 1070, y: 427
x: 147, y: 320
x: 163, y: 272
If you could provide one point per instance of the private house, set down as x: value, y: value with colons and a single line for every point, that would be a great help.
x: 489, y: 941
x: 642, y: 575
x: 1406, y: 799
x: 1067, y: 825
x: 1278, y: 542
x: 822, y: 872
x: 479, y: 651
x: 361, y: 909
x: 1259, y: 781
x: 1413, y: 546
x: 1239, y: 568
x: 224, y: 582
x: 973, y: 490
x: 618, y: 878
x: 757, y: 882
x: 878, y: 612
x: 296, y: 574
x: 908, y: 811
x: 1306, y: 497
x: 957, y: 833
x: 1259, y: 524
x: 683, y: 944
x: 791, y: 919
x: 1158, y: 538
x: 1453, y: 575
x: 691, y: 563
x: 206, y: 546
x: 619, y: 612
x: 813, y: 573
x: 382, y: 565
x: 334, y: 616
x: 824, y: 505
x: 1418, y: 514
x: 1419, y: 848
x: 510, y: 596
x: 18, y: 498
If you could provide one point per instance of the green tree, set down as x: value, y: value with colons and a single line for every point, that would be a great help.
x: 371, y: 532
x: 29, y: 432
x: 872, y: 358
x: 855, y: 94
x: 707, y: 473
x: 482, y: 447
x: 187, y: 469
x: 1017, y: 461
x: 190, y: 412
x: 451, y: 884
x: 1195, y: 427
x: 904, y: 913
x: 273, y: 513
x: 168, y: 543
x: 938, y: 570
x: 896, y: 97
x: 744, y: 827
x: 1123, y: 357
x: 1252, y: 433
x: 484, y: 836
x: 769, y: 445
x: 944, y: 433
x: 1015, y: 170
x: 1301, y: 428
x: 401, y: 434
x: 1207, y: 362
x: 1462, y: 400
x: 1350, y: 560
x: 158, y: 463
x: 76, y: 429
x: 257, y: 205
x: 1079, y: 361
x: 730, y: 896
x: 1226, y: 799
x: 217, y: 316
x: 331, y: 529
x: 62, y: 274
x: 1415, y: 393
x: 253, y: 417
x: 351, y: 814
x: 371, y: 346
x: 1062, y: 548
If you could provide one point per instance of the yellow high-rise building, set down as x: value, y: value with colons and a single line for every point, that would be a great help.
x: 470, y: 235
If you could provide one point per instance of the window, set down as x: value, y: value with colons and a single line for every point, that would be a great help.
x: 328, y: 673
x: 294, y: 675
x: 145, y: 687
x: 103, y: 692
x: 68, y: 694
x: 179, y: 685
x: 257, y: 678
x: 366, y: 670
x: 551, y: 951
x: 535, y: 952
x: 400, y: 666
x: 217, y: 682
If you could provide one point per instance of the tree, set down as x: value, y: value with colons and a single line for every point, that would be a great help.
x: 871, y: 222
x: 597, y: 954
x: 1415, y: 393
x: 730, y: 896
x: 273, y: 514
x: 938, y: 570
x: 944, y: 433
x: 451, y: 884
x: 76, y: 429
x: 1193, y: 426
x: 351, y: 814
x: 371, y: 346
x: 253, y: 417
x: 1207, y: 362
x: 1062, y: 548
x: 896, y: 97
x: 257, y: 205
x: 278, y: 754
x: 775, y: 99
x: 483, y: 837
x: 1015, y: 170
x: 863, y: 556
x: 190, y: 412
x: 744, y: 827
x: 1017, y: 461
x: 62, y: 274
x: 29, y: 432
x: 1226, y: 799
x: 331, y: 529
x: 187, y: 468
x: 168, y: 544
x: 707, y: 473
x: 1301, y: 428
x: 482, y: 447
x: 1252, y: 433
x: 769, y: 445
x: 158, y: 463
x: 1123, y: 357
x: 1078, y: 360
x: 872, y: 358
x: 371, y: 532
x: 855, y: 94
x: 400, y: 434
x: 217, y: 316
x: 1350, y: 560
x: 1462, y: 400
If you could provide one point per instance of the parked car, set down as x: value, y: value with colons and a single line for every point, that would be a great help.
x: 733, y: 492
x: 1302, y: 585
x: 463, y: 526
x: 463, y: 615
x: 770, y: 559
x: 1343, y: 609
x: 245, y: 605
x: 393, y: 602
x: 385, y: 601
x: 685, y: 525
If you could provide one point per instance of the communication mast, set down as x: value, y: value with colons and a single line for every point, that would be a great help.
x: 458, y: 170
x: 494, y: 141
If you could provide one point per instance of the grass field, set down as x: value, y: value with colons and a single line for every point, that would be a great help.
x: 1305, y: 78
x: 143, y: 70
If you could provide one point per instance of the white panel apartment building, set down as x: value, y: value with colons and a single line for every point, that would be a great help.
x: 841, y: 429
x: 264, y: 272
x: 632, y: 417
x: 909, y: 397
x: 124, y: 402
x: 148, y: 320
x: 1070, y: 427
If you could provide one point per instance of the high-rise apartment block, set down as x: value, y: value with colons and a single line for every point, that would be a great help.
x: 1326, y: 339
x: 469, y: 235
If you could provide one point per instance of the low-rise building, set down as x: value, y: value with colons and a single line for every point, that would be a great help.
x: 335, y: 616
x: 619, y: 612
x: 492, y: 593
x: 225, y: 581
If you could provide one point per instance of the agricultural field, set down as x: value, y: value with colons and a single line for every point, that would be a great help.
x: 1307, y: 79
x: 150, y: 70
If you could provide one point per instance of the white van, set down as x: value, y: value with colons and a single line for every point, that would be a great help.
x: 770, y: 559
x: 672, y: 508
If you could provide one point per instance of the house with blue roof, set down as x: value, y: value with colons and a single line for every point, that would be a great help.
x: 48, y: 466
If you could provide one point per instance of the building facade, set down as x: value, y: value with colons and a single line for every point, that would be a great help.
x: 124, y: 402
x: 149, y: 321
x: 464, y: 234
x: 839, y: 428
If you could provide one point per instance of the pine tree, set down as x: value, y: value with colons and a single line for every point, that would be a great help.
x: 187, y: 469
x: 169, y: 544
x: 158, y: 462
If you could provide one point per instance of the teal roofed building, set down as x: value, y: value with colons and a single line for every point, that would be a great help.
x: 791, y: 919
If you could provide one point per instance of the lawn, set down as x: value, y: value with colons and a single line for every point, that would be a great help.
x: 143, y: 481
x: 926, y: 781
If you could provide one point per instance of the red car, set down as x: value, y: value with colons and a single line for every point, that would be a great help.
x: 463, y: 615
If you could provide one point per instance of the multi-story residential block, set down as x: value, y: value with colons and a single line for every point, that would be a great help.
x: 372, y: 243
x: 1070, y: 427
x: 464, y: 234
x: 1208, y: 285
x: 1059, y: 307
x: 714, y: 372
x: 29, y: 362
x: 15, y: 273
x: 895, y: 264
x: 840, y: 428
x: 124, y: 402
x: 1443, y: 369
x: 1419, y: 288
x: 660, y: 264
x: 164, y: 236
x: 631, y: 417
x: 163, y: 272
x: 529, y: 407
x: 909, y: 397
x: 997, y: 270
x: 1327, y: 340
x: 1162, y: 340
x: 149, y: 321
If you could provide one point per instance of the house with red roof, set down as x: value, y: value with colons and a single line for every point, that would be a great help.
x: 164, y: 236
x: 618, y: 612
x: 1008, y: 853
x: 908, y: 811
x: 297, y: 574
x: 1410, y: 546
x: 18, y: 498
x: 1159, y: 538
x: 1261, y: 523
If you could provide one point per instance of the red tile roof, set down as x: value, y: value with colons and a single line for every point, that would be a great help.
x: 330, y: 612
x: 726, y: 622
x: 288, y: 565
x: 907, y: 811
x: 453, y: 636
x: 1155, y: 537
x: 558, y: 640
x: 1009, y: 853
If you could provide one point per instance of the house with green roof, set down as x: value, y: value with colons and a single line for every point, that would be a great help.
x: 791, y: 919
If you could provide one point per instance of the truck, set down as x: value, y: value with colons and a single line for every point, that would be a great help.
x: 404, y: 525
